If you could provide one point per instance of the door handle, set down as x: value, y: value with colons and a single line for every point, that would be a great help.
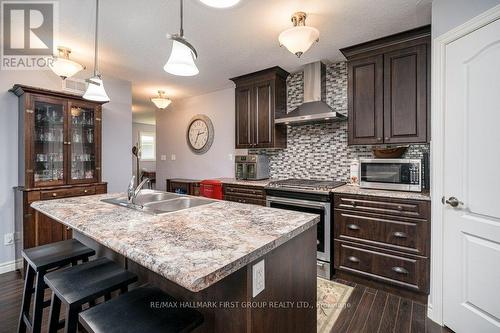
x: 452, y: 201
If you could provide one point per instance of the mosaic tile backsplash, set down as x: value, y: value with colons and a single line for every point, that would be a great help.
x: 320, y: 151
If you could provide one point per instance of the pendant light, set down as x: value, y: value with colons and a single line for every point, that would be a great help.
x: 299, y: 38
x: 183, y: 54
x: 95, y: 89
x: 220, y: 3
x: 162, y: 101
x: 63, y: 66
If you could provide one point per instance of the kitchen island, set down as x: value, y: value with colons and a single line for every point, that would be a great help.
x: 204, y: 257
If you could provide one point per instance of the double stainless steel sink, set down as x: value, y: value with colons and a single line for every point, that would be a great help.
x: 157, y: 202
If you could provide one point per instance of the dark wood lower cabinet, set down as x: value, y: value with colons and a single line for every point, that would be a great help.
x: 245, y: 194
x: 38, y: 229
x: 184, y: 186
x: 383, y: 242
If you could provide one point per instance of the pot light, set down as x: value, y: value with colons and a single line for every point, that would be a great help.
x: 95, y: 89
x: 299, y: 38
x: 162, y: 101
x: 183, y: 54
x: 220, y: 3
x: 63, y: 66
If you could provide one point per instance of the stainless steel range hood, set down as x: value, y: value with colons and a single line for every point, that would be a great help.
x: 314, y: 108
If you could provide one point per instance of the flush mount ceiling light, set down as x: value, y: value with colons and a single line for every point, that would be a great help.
x: 63, y: 66
x: 299, y: 38
x: 181, y: 61
x: 162, y: 101
x: 220, y: 3
x: 95, y: 89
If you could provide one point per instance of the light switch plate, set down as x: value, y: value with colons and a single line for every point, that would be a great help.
x: 173, y: 157
x: 8, y: 239
x: 163, y: 157
x: 258, y: 278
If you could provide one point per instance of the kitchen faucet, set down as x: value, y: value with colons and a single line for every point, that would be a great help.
x: 132, y: 191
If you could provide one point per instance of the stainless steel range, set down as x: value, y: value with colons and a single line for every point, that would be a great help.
x: 308, y: 196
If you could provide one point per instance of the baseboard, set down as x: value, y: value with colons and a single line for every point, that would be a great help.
x: 10, y: 266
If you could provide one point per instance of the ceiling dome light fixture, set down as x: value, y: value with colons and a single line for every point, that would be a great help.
x: 62, y: 66
x: 95, y: 89
x: 183, y: 54
x: 299, y: 38
x: 162, y: 101
x: 220, y: 3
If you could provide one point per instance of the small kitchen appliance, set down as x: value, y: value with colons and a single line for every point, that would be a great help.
x: 252, y: 167
x: 391, y: 174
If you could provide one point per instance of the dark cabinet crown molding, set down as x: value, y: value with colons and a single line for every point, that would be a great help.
x: 385, y: 44
x: 265, y: 74
x: 20, y: 89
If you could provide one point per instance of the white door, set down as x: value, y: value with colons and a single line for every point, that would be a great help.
x: 472, y: 175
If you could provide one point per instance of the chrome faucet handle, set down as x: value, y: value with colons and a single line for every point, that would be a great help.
x: 131, y: 189
x: 139, y: 187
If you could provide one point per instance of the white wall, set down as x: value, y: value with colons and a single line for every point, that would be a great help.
x: 117, y: 135
x: 171, y: 126
x: 448, y: 14
x: 136, y: 128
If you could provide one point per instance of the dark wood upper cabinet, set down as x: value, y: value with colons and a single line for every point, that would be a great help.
x: 389, y: 89
x: 260, y: 98
x: 366, y: 103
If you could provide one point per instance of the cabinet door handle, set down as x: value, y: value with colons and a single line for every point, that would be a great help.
x: 379, y: 139
x: 400, y: 234
x: 353, y: 227
x: 387, y: 138
x: 353, y: 259
x: 400, y: 270
x: 317, y: 242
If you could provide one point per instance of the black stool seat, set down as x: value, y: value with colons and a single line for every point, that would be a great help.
x: 85, y: 283
x: 135, y: 311
x: 45, y: 257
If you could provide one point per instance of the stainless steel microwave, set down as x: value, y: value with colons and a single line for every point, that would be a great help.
x: 391, y: 174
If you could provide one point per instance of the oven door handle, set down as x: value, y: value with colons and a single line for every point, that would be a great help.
x: 296, y: 202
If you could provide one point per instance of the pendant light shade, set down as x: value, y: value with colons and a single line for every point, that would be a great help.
x: 181, y: 61
x: 162, y: 101
x: 220, y: 3
x: 95, y: 90
x: 183, y: 54
x: 63, y: 66
x: 300, y: 38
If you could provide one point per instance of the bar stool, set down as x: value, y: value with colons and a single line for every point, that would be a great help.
x: 40, y: 260
x: 136, y: 312
x: 85, y: 283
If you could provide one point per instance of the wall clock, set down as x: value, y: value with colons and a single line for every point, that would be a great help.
x: 200, y: 134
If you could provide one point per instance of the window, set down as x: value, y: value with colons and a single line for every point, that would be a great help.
x: 147, y: 141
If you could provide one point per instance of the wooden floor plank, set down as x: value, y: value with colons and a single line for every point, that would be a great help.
x: 373, y: 321
x: 403, y: 319
x: 347, y: 314
x: 418, y: 318
x: 361, y: 315
x: 389, y: 316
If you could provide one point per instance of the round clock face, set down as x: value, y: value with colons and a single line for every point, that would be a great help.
x: 200, y: 134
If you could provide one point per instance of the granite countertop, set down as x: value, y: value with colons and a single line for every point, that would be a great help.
x: 257, y: 183
x: 194, y: 247
x: 353, y: 189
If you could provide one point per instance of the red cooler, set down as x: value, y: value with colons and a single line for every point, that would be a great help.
x: 210, y: 188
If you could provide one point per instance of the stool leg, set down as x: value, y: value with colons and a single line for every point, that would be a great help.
x: 71, y: 319
x: 26, y: 302
x: 123, y: 290
x: 107, y: 297
x: 38, y: 308
x: 55, y: 310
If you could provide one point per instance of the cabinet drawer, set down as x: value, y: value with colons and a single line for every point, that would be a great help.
x: 243, y: 199
x: 66, y: 193
x: 381, y: 205
x: 245, y: 191
x: 398, y: 233
x: 391, y: 267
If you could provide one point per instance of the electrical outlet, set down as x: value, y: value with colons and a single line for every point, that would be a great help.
x: 230, y: 157
x: 258, y: 278
x: 163, y: 157
x: 8, y: 239
x: 173, y: 157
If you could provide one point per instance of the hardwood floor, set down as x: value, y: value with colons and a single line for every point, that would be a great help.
x: 371, y: 310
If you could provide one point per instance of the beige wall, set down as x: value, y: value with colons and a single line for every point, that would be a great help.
x: 171, y: 126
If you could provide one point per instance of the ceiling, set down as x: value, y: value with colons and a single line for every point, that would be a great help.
x: 230, y: 42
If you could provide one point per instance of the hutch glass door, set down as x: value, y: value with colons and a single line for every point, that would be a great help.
x: 83, y: 143
x: 48, y: 142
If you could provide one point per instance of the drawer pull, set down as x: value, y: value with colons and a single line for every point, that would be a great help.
x: 400, y: 270
x: 54, y: 195
x: 353, y: 259
x: 353, y: 227
x: 85, y: 191
x: 400, y: 208
x: 399, y: 234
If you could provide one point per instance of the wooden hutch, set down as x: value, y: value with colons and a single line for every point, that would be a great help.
x: 59, y: 157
